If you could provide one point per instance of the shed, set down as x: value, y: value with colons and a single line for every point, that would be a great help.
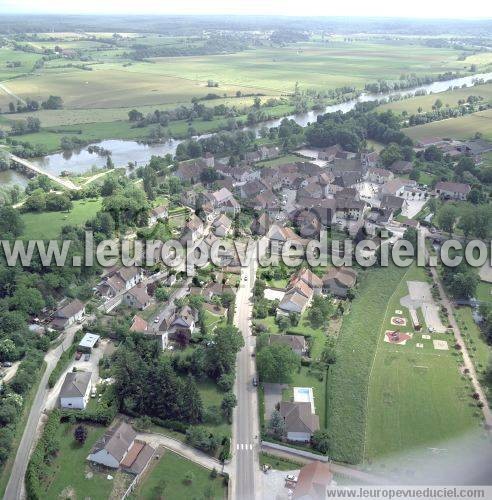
x: 88, y: 342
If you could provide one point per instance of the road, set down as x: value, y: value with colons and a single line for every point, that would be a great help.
x: 11, y: 94
x: 15, y: 486
x: 245, y: 433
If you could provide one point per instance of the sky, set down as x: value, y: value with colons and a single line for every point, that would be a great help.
x: 478, y: 9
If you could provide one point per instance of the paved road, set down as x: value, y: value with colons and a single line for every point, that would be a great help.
x: 245, y: 443
x: 15, y: 486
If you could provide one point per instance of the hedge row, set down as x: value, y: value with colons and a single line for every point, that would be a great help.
x: 47, y: 446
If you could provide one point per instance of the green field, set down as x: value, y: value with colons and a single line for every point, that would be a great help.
x: 26, y: 60
x: 167, y: 479
x: 463, y: 127
x: 47, y: 225
x: 451, y: 98
x: 377, y: 392
x: 417, y: 397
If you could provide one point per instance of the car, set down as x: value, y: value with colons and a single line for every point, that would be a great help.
x: 245, y: 278
x: 291, y: 477
x: 255, y: 382
x: 78, y: 355
x: 7, y: 364
x: 93, y: 392
x: 156, y: 320
x: 87, y: 356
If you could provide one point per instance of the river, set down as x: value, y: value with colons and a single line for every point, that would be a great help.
x: 124, y: 151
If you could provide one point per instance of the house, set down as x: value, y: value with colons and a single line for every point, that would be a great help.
x: 283, y: 234
x: 398, y: 187
x: 339, y: 280
x: 139, y: 324
x: 296, y: 342
x: 190, y: 171
x: 223, y: 201
x: 158, y: 213
x: 300, y: 422
x: 293, y: 302
x: 313, y: 481
x: 180, y: 326
x: 348, y: 209
x: 453, y: 190
x: 119, y: 279
x: 222, y: 225
x: 75, y: 391
x: 193, y: 230
x: 329, y: 154
x: 401, y: 167
x: 311, y: 190
x: 69, y: 314
x: 425, y: 142
x: 252, y: 188
x: 392, y: 202
x: 261, y: 225
x: 114, y: 445
x: 369, y: 159
x: 266, y: 201
x: 310, y: 279
x: 379, y: 175
x: 88, y: 342
x: 137, y: 297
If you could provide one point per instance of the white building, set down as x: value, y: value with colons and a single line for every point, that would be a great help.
x: 75, y: 391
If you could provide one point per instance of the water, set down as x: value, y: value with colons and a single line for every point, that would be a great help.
x: 131, y: 151
x: 9, y: 178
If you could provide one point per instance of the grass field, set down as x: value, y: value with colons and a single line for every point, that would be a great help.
x: 450, y: 98
x: 417, y: 397
x: 47, y: 225
x: 380, y: 398
x: 26, y: 60
x: 167, y: 479
x: 463, y: 127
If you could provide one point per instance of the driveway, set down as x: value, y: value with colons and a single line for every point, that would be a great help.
x: 412, y: 207
x: 273, y: 395
x: 274, y: 484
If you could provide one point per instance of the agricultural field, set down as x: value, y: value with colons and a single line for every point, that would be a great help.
x: 464, y: 127
x: 180, y: 477
x: 47, y: 225
x: 24, y: 62
x: 449, y: 98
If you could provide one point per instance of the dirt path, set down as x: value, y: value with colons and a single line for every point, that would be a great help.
x: 467, y: 362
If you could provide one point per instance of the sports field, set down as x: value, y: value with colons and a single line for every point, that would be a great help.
x: 384, y: 398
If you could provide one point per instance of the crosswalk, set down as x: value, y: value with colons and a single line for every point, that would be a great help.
x: 244, y: 446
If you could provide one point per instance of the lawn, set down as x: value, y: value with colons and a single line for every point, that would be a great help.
x: 463, y: 127
x: 47, y: 225
x: 416, y: 397
x: 281, y: 160
x: 167, y: 478
x: 67, y: 474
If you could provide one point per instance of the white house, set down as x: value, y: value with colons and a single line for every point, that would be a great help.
x: 453, y: 190
x: 69, y: 314
x: 75, y: 390
x: 158, y: 213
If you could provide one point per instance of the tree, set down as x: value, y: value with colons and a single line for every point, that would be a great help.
x: 220, y: 356
x: 8, y: 351
x: 321, y: 441
x: 80, y: 434
x: 229, y: 402
x: 390, y: 154
x: 328, y: 355
x: 276, y: 363
x: 446, y: 218
x: 134, y: 115
x: 192, y: 406
x: 53, y: 102
x: 10, y: 222
x: 277, y: 424
x: 226, y: 382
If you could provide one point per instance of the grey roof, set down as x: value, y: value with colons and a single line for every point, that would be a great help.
x: 299, y: 417
x: 71, y: 309
x: 75, y: 384
x: 116, y: 441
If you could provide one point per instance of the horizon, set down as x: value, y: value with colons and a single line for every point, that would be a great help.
x: 382, y: 9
